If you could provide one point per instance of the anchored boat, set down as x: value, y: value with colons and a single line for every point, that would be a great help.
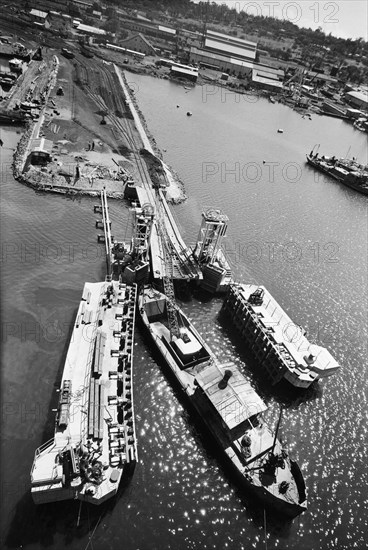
x: 227, y: 404
x: 94, y: 443
x: 279, y: 345
x: 347, y: 171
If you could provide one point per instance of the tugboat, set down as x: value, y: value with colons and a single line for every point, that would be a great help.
x: 229, y: 407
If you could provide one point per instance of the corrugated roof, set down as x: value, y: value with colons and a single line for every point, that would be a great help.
x: 267, y: 80
x: 38, y: 13
x: 183, y: 70
x: 236, y: 51
x: 87, y: 28
x: 41, y: 144
x: 232, y: 39
x: 266, y: 75
x: 222, y: 58
x: 166, y: 29
x: 268, y: 69
x: 237, y: 401
x: 363, y: 96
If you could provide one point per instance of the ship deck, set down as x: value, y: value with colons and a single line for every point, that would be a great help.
x: 230, y: 408
x: 288, y: 339
x: 91, y: 368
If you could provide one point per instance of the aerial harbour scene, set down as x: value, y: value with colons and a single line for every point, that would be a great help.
x: 184, y: 274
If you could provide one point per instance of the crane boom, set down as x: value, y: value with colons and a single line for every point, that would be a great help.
x: 168, y: 277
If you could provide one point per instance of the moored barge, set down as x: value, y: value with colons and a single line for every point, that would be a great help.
x: 228, y: 406
x: 94, y: 444
x: 279, y: 345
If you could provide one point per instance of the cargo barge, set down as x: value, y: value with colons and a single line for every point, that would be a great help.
x: 94, y: 444
x: 279, y: 345
x: 228, y: 406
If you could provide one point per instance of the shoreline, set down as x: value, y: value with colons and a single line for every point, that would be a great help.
x: 52, y: 178
x: 171, y: 175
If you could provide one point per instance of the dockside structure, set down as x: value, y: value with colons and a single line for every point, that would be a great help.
x: 279, y: 345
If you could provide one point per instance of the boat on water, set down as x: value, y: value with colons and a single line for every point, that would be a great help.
x: 94, y: 444
x: 280, y: 346
x: 227, y: 404
x: 347, y: 171
x: 361, y: 124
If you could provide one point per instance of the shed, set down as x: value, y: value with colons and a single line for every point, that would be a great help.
x: 40, y: 17
x: 357, y: 99
x: 41, y: 151
x: 185, y: 72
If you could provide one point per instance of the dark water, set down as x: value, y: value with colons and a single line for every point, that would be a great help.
x: 302, y: 236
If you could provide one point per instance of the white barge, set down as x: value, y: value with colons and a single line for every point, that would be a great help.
x: 94, y: 443
x: 228, y: 406
x: 279, y: 345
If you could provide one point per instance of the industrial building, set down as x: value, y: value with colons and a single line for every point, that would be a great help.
x: 225, y: 53
x: 146, y: 27
x: 182, y: 71
x: 267, y: 78
x: 138, y: 43
x: 88, y: 29
x: 40, y: 17
x: 357, y: 99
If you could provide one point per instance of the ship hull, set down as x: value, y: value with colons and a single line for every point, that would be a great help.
x: 94, y: 445
x: 352, y: 185
x: 200, y: 409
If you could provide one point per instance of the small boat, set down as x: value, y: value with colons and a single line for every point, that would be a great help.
x: 189, y: 113
x: 228, y: 406
x: 272, y: 99
x: 280, y: 131
x: 361, y: 124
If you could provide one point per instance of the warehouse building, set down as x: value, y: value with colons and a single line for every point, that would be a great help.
x: 267, y: 78
x: 40, y: 17
x: 182, y: 71
x: 357, y: 99
x: 138, y: 43
x: 225, y: 53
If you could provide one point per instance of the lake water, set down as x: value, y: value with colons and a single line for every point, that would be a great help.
x: 300, y: 234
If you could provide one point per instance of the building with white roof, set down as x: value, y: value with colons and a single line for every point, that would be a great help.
x: 88, y: 29
x: 357, y: 99
x: 40, y: 17
x: 225, y: 53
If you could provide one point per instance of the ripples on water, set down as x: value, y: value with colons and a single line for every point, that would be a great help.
x: 180, y: 496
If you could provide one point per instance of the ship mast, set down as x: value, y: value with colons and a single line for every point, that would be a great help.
x: 167, y: 278
x: 277, y: 430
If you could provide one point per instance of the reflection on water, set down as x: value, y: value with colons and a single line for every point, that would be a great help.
x: 181, y: 496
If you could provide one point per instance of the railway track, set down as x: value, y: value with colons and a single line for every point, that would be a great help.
x: 102, y: 85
